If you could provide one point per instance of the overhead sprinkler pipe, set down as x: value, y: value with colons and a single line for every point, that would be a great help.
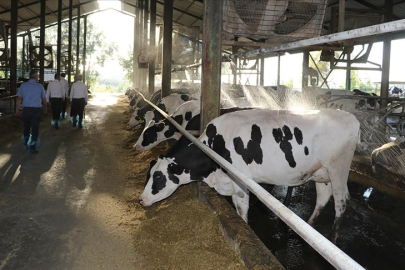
x: 323, y: 246
x: 378, y: 29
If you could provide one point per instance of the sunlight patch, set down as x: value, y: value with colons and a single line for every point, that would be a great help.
x: 106, y: 4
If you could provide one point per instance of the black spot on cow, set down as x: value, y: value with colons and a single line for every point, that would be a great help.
x: 210, y: 131
x: 253, y: 150
x: 306, y: 151
x: 151, y: 164
x: 217, y: 143
x: 173, y: 169
x: 331, y: 105
x: 285, y: 145
x: 150, y: 135
x: 170, y: 132
x: 185, y: 97
x: 188, y: 116
x: 298, y: 135
x: 158, y: 117
x: 159, y: 182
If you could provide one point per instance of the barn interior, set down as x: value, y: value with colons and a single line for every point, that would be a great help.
x: 219, y: 50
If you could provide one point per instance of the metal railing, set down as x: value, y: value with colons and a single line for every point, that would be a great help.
x: 322, y: 245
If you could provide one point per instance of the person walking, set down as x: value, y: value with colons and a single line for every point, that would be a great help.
x: 78, y: 98
x: 32, y: 96
x: 56, y: 95
x: 65, y: 86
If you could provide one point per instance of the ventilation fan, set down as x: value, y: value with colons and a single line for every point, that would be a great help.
x: 4, y: 52
x: 35, y: 58
x: 275, y: 19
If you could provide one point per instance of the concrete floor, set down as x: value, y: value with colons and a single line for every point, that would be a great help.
x: 60, y: 209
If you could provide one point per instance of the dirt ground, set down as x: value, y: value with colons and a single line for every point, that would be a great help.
x: 75, y: 204
x: 177, y: 233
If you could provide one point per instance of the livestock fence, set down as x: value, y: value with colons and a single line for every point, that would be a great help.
x: 321, y: 244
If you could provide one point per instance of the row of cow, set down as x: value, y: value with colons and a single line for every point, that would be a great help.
x: 277, y: 147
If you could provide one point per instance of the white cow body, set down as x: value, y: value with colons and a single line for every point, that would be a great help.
x: 274, y: 147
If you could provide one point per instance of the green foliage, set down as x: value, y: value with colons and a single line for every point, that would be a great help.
x: 127, y: 65
x: 357, y: 83
x: 98, y: 50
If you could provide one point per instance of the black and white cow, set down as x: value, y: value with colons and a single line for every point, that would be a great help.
x: 187, y: 115
x: 154, y: 133
x: 168, y: 104
x: 275, y: 147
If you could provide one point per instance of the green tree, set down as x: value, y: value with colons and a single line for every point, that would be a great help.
x: 98, y: 49
x: 127, y: 65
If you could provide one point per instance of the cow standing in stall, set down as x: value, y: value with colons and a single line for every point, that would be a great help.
x: 274, y: 147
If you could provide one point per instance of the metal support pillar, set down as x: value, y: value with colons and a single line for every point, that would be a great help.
x: 385, y: 74
x: 23, y: 58
x: 235, y: 63
x: 78, y: 41
x: 348, y: 73
x: 305, y: 66
x: 341, y: 25
x: 13, y: 48
x: 167, y: 47
x: 69, y: 69
x: 59, y: 42
x: 261, y: 71
x: 145, y: 41
x: 278, y: 68
x: 84, y: 49
x: 152, y: 46
x: 211, y: 61
x: 42, y: 43
x: 135, y: 50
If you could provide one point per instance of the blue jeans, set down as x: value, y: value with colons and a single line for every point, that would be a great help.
x: 31, y: 117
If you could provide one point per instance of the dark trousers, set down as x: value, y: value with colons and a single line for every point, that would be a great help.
x: 77, y: 108
x: 63, y: 109
x: 31, y: 118
x: 56, y: 105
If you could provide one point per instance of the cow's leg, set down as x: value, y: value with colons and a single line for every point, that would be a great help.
x: 287, y: 199
x: 339, y: 174
x: 241, y: 201
x: 323, y: 193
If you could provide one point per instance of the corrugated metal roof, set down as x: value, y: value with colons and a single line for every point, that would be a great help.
x: 186, y: 12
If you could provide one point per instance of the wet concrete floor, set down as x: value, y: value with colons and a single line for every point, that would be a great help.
x: 59, y: 209
x: 372, y: 233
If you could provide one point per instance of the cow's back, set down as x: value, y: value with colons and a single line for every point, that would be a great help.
x: 268, y: 144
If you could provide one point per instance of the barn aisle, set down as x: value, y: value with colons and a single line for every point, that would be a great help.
x: 74, y: 204
x: 59, y: 208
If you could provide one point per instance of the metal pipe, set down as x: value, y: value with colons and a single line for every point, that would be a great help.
x: 348, y: 72
x: 23, y: 57
x: 135, y: 49
x: 323, y: 246
x: 167, y: 47
x: 356, y: 33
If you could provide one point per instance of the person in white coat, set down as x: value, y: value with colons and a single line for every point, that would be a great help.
x: 78, y: 98
x: 65, y: 86
x: 55, y: 94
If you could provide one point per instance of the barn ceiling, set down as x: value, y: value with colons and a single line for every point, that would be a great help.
x: 188, y: 12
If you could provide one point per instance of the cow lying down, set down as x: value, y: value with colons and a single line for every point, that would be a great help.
x: 274, y: 147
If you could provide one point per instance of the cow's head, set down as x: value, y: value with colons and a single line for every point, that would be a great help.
x: 151, y: 136
x: 136, y: 119
x: 163, y: 178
